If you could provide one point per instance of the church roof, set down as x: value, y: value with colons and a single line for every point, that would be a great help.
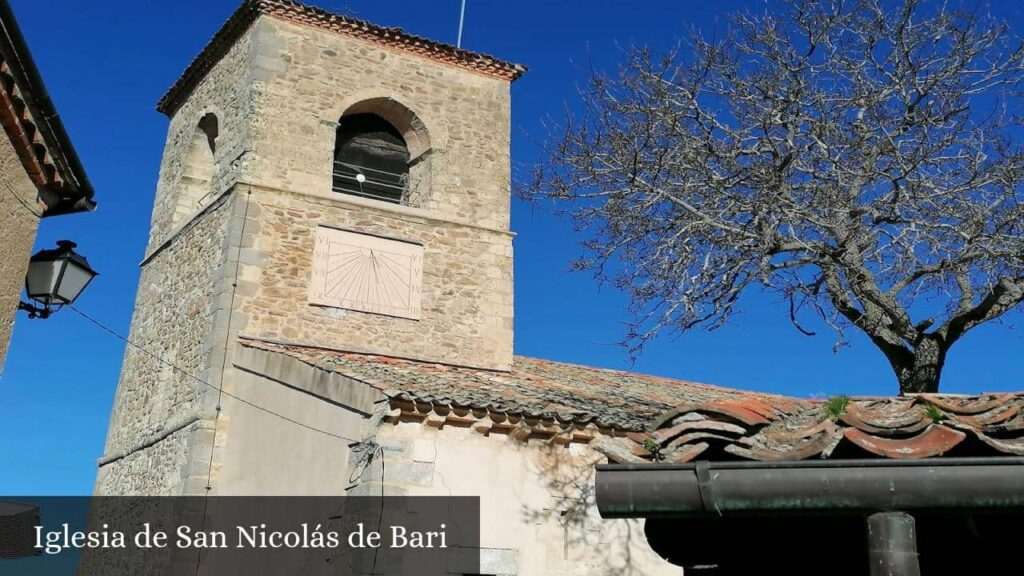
x: 916, y: 426
x: 563, y: 392
x: 307, y: 15
x: 665, y: 420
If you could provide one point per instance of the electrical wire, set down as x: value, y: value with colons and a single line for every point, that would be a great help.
x: 227, y: 340
x: 380, y: 518
x: 223, y: 369
x: 21, y: 200
x: 221, y: 392
x: 156, y: 357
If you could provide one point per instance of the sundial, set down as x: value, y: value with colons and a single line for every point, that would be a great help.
x: 366, y: 273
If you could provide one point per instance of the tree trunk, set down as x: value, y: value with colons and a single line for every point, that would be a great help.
x: 921, y: 369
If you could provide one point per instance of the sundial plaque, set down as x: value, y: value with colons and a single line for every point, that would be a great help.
x: 366, y: 273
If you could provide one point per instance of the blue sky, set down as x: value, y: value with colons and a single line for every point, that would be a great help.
x: 106, y: 64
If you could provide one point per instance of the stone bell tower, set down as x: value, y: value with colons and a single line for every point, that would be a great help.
x: 327, y: 183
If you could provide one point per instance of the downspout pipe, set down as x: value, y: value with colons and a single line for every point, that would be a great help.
x: 705, y: 489
x: 892, y: 545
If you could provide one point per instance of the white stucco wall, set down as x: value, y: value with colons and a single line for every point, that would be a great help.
x: 261, y: 455
x: 538, y: 516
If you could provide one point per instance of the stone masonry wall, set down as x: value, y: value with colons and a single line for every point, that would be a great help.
x: 467, y: 284
x: 225, y: 92
x: 311, y: 77
x: 304, y: 80
x: 307, y: 78
x: 182, y: 302
x: 278, y: 94
x: 17, y: 234
x: 179, y: 302
x: 155, y: 471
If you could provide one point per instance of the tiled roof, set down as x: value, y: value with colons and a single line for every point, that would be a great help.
x: 34, y: 128
x: 919, y: 426
x: 397, y: 38
x: 614, y: 399
x: 666, y: 420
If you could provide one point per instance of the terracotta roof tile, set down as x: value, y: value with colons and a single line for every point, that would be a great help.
x: 689, y: 453
x: 800, y: 445
x: 615, y: 399
x: 934, y: 441
x: 917, y: 426
x: 669, y: 434
x: 990, y: 419
x: 747, y: 411
x: 1013, y: 446
x: 886, y: 417
x: 956, y: 404
x: 34, y: 129
x: 660, y: 419
x: 306, y: 15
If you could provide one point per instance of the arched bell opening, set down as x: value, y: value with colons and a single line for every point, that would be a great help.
x: 382, y: 152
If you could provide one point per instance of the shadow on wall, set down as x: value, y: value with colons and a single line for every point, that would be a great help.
x: 199, y: 170
x: 589, y: 542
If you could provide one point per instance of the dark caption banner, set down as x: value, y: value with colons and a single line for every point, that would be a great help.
x: 259, y: 536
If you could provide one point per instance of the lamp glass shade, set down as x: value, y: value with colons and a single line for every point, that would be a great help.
x: 41, y: 280
x: 57, y: 277
x: 71, y: 284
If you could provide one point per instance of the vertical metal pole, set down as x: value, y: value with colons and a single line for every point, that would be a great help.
x: 462, y: 18
x: 892, y: 544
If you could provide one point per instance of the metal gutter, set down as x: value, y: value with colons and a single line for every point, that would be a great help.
x: 711, y: 489
x: 45, y: 115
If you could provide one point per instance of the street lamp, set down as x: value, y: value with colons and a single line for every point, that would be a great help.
x: 55, y: 278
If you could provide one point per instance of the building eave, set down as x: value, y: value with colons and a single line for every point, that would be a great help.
x: 535, y: 389
x: 31, y: 122
x: 295, y: 12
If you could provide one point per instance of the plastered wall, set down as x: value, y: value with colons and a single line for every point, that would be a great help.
x: 18, y: 227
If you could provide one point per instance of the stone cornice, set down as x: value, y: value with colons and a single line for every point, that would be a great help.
x: 291, y: 11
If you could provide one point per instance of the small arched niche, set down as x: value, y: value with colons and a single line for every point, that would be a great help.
x: 196, y: 186
x: 379, y: 153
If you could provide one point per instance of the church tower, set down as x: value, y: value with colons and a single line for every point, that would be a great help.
x: 325, y: 183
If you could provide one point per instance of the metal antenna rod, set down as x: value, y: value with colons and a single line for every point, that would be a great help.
x: 462, y: 18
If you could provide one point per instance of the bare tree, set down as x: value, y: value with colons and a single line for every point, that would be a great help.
x: 860, y: 158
